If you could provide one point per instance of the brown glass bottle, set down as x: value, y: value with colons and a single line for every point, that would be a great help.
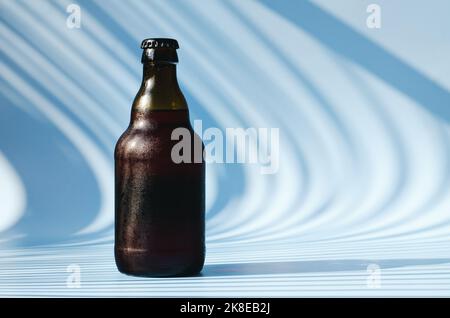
x: 159, y: 204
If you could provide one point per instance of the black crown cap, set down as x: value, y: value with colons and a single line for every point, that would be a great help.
x: 154, y: 43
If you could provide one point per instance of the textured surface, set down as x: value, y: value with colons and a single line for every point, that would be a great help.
x: 364, y: 172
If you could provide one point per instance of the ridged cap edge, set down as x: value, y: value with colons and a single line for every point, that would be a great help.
x: 154, y: 43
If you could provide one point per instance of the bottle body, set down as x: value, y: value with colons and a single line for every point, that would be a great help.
x: 159, y: 204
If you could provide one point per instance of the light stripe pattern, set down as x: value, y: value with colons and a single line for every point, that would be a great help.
x: 360, y: 205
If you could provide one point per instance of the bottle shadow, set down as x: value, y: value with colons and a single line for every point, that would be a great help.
x: 320, y: 266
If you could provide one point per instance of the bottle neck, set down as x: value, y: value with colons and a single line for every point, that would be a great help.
x: 159, y: 90
x: 160, y: 76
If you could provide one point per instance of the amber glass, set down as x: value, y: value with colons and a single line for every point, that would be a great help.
x: 159, y: 204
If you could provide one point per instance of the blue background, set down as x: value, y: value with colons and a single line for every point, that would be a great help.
x: 363, y: 114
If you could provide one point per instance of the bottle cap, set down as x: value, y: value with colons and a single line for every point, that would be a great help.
x: 154, y: 43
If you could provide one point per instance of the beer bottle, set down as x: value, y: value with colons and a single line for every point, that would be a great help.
x: 159, y: 202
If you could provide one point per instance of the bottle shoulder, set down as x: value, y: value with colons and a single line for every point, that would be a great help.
x: 136, y: 142
x: 150, y: 142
